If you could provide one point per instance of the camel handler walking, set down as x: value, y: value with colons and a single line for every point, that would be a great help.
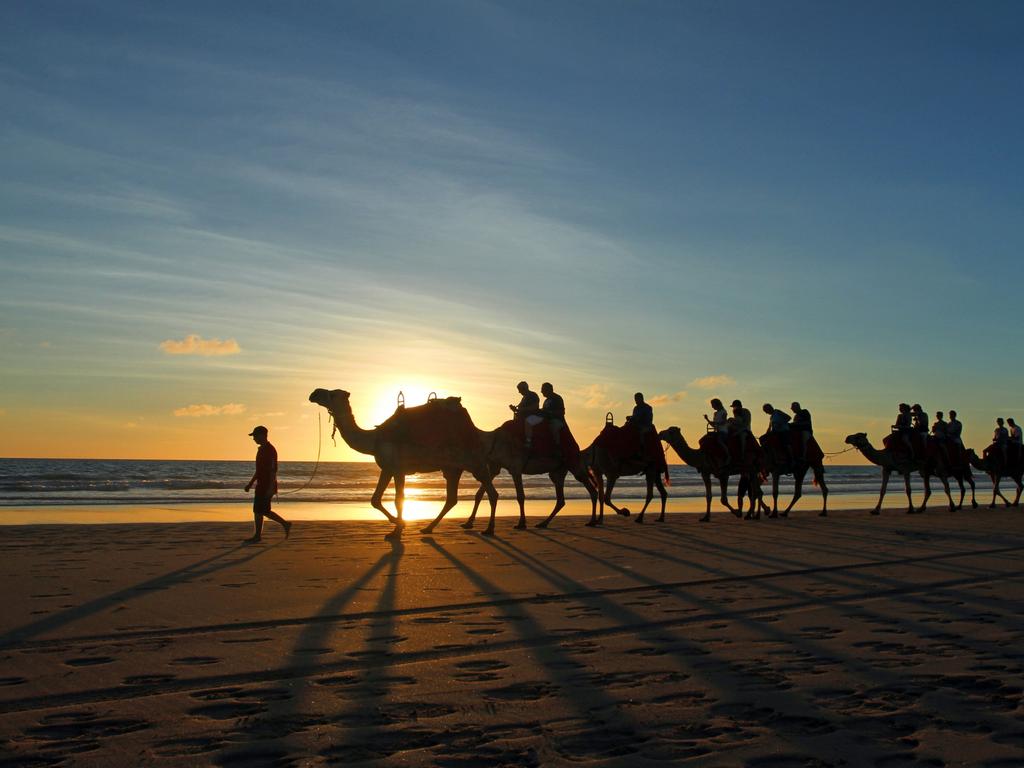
x: 265, y: 480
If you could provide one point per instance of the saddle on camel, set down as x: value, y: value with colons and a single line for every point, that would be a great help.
x: 750, y: 450
x: 1005, y: 456
x: 542, y: 441
x: 628, y: 443
x: 925, y: 448
x: 439, y: 425
x: 777, y: 443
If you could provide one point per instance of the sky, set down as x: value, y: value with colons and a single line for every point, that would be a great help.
x: 207, y: 210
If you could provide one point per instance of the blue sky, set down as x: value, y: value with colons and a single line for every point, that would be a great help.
x: 805, y: 200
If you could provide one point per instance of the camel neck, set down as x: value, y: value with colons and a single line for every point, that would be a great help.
x: 358, y: 439
x: 691, y: 456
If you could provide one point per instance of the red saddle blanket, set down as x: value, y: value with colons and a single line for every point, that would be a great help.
x: 542, y: 441
x: 441, y: 424
x: 773, y: 442
x: 897, y: 445
x: 712, y: 446
x: 627, y: 442
x: 1013, y: 454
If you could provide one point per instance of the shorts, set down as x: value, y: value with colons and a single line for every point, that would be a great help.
x: 261, y: 503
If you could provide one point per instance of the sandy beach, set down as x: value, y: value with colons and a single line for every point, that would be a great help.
x: 890, y: 641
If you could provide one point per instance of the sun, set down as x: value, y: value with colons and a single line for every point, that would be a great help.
x: 386, y: 394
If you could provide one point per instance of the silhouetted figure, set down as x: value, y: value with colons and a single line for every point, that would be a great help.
x: 954, y: 429
x: 1015, y: 439
x: 642, y: 418
x: 553, y: 411
x: 528, y: 410
x: 719, y: 424
x: 265, y: 480
x: 802, y: 425
x: 904, y: 428
x: 919, y: 422
x: 940, y: 435
x: 1000, y: 438
x: 778, y: 427
x: 739, y: 425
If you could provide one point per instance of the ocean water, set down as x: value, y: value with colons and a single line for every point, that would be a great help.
x: 34, y: 482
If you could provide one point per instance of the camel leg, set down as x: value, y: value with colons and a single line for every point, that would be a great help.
x: 775, y: 495
x: 400, y: 497
x: 707, y: 496
x: 881, y: 495
x: 608, y: 497
x: 910, y: 499
x: 450, y: 498
x: 970, y: 481
x: 378, y: 494
x: 492, y: 497
x: 476, y: 505
x: 963, y: 492
x: 819, y: 475
x: 583, y: 480
x: 559, y: 482
x: 996, y: 492
x: 723, y: 484
x: 798, y: 490
x: 926, y: 478
x: 647, y: 501
x: 1020, y: 487
x: 517, y: 481
x: 664, y: 497
x: 599, y: 477
x: 945, y: 486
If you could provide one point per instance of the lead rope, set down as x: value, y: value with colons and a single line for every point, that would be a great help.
x: 836, y: 453
x: 319, y: 443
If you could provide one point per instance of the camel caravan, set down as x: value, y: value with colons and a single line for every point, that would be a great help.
x: 440, y: 436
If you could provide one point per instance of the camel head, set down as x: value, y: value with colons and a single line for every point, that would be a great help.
x: 333, y: 400
x: 672, y: 433
x: 857, y: 440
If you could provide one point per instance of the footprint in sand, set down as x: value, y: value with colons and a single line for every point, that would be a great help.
x: 88, y: 661
x: 526, y: 691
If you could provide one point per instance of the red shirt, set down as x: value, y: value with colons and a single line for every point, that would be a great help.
x: 266, y: 470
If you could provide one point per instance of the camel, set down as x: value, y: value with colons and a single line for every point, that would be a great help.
x: 509, y: 454
x: 945, y: 469
x: 706, y: 466
x: 995, y: 472
x: 797, y: 467
x: 893, y: 463
x: 397, y: 456
x: 602, y: 465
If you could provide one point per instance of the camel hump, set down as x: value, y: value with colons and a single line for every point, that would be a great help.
x: 438, y: 423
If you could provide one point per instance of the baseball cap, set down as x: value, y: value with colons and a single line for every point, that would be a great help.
x: 260, y: 428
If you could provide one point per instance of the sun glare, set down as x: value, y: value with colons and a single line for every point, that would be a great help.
x: 386, y: 399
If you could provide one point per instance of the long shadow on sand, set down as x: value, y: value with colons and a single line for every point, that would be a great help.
x: 195, y: 570
x: 264, y: 739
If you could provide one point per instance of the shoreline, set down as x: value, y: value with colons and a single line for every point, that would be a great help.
x: 416, y: 510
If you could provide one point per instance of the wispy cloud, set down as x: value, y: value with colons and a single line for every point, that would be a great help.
x: 594, y: 396
x: 711, y: 382
x: 675, y: 397
x: 204, y: 409
x: 193, y: 344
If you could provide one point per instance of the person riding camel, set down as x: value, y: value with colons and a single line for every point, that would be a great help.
x: 903, y: 428
x: 919, y: 423
x: 739, y: 425
x: 803, y: 426
x: 719, y: 424
x: 954, y: 429
x: 1016, y: 441
x: 642, y: 418
x: 940, y: 435
x: 528, y: 410
x: 553, y: 411
x: 778, y: 425
x: 1000, y: 438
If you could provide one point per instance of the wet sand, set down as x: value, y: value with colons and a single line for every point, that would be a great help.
x: 889, y: 641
